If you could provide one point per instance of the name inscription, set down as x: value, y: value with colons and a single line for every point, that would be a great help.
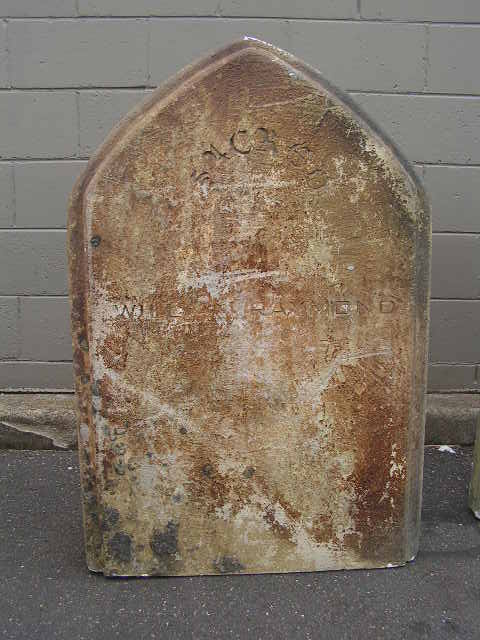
x: 259, y: 140
x: 334, y: 308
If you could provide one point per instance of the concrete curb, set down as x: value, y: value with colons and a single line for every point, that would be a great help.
x: 38, y: 421
x: 452, y: 418
x: 48, y: 420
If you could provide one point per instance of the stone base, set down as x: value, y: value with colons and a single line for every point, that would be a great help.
x: 48, y: 420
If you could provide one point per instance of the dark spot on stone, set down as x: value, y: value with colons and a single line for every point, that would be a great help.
x: 110, y: 518
x: 110, y: 486
x: 149, y: 455
x: 207, y: 470
x: 119, y: 448
x: 95, y: 241
x: 120, y: 547
x: 85, y: 379
x: 91, y: 500
x: 120, y: 431
x: 120, y: 467
x: 183, y: 430
x: 165, y: 543
x: 177, y: 497
x: 249, y: 472
x: 227, y: 564
x: 83, y: 342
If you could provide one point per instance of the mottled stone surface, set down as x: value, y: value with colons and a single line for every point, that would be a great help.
x: 249, y: 275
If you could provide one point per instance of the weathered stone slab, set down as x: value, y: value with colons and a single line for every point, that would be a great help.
x: 249, y: 268
x: 474, y: 491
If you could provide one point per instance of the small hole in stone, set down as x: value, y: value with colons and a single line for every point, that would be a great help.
x: 183, y: 430
x: 95, y: 241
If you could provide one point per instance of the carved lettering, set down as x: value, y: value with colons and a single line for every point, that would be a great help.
x: 240, y: 141
x: 343, y: 308
x: 317, y: 178
x: 299, y: 154
x: 132, y: 311
x: 387, y: 306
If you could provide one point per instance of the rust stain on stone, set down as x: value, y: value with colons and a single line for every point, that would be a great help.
x: 249, y: 263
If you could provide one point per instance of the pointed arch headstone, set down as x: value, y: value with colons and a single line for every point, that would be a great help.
x: 249, y: 263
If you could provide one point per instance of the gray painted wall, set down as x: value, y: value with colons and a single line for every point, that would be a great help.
x: 70, y: 68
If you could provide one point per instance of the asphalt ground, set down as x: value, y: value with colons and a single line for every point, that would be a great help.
x: 47, y: 592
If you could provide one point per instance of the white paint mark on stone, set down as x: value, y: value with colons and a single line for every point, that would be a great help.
x: 218, y: 283
x: 446, y: 449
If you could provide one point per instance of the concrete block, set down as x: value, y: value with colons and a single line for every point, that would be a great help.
x: 7, y: 201
x: 453, y: 56
x: 455, y: 266
x: 452, y: 418
x: 452, y: 377
x: 148, y: 8
x: 363, y: 56
x: 42, y: 191
x: 354, y: 55
x: 431, y: 129
x: 45, y: 329
x: 4, y: 78
x: 32, y: 376
x: 35, y: 263
x: 175, y: 43
x: 288, y: 9
x: 9, y: 332
x: 226, y: 8
x: 38, y: 421
x: 455, y: 197
x: 430, y: 10
x: 36, y: 8
x: 100, y: 111
x: 76, y: 53
x: 455, y: 331
x: 38, y: 124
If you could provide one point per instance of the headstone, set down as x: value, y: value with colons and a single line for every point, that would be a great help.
x: 474, y: 491
x: 249, y: 266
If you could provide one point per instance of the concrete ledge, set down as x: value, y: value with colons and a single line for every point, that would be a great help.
x: 452, y: 418
x: 48, y: 420
x: 38, y: 421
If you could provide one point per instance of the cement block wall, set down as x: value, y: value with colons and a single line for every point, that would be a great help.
x: 69, y: 69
